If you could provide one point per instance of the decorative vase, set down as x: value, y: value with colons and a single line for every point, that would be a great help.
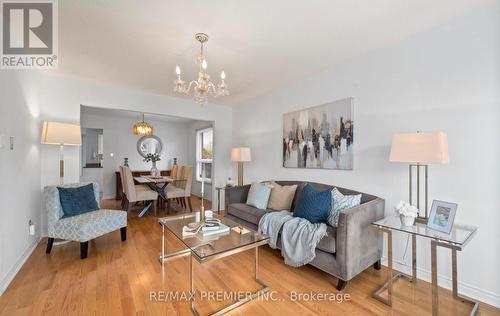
x: 154, y: 171
x: 407, y: 220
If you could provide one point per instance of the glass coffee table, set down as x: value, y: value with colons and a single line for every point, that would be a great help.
x: 210, y: 248
x: 458, y: 238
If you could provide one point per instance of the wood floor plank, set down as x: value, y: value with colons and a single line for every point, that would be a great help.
x: 118, y: 278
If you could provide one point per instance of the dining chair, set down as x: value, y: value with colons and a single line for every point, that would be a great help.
x: 173, y: 172
x: 137, y: 193
x: 181, y: 188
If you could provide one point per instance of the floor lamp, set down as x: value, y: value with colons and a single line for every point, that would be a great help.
x: 241, y: 155
x: 419, y: 150
x: 55, y: 133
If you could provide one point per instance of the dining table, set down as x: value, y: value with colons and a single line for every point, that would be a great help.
x: 156, y: 184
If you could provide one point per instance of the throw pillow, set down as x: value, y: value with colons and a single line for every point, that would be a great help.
x: 79, y: 200
x: 313, y: 205
x: 258, y: 196
x: 341, y: 202
x: 281, y: 196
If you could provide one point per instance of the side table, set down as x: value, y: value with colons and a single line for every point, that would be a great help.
x: 219, y: 189
x: 456, y: 241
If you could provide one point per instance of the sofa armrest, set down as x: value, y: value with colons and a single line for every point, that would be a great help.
x: 358, y: 244
x: 237, y: 194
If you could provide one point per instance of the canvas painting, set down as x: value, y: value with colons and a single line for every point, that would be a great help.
x: 319, y: 137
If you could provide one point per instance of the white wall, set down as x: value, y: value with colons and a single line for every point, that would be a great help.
x: 119, y: 140
x: 196, y: 187
x: 444, y: 79
x: 19, y: 170
x: 62, y: 96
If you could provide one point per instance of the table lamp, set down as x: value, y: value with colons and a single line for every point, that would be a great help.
x: 419, y: 150
x: 55, y: 133
x: 241, y: 155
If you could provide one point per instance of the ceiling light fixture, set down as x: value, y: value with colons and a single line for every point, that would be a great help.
x: 203, y: 87
x: 143, y: 128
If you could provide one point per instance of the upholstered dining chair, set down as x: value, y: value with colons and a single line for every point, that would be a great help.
x: 122, y: 178
x: 181, y: 188
x: 137, y: 193
x: 80, y: 228
x: 173, y: 172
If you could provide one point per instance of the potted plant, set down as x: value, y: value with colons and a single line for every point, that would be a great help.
x: 153, y: 158
x: 407, y: 213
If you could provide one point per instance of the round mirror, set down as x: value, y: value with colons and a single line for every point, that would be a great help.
x: 149, y: 145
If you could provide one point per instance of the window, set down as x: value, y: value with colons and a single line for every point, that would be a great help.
x: 204, y: 153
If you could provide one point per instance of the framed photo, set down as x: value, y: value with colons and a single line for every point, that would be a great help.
x: 442, y: 216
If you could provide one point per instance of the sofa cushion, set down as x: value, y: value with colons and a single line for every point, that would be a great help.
x: 313, y: 205
x: 77, y: 200
x: 328, y: 243
x: 246, y: 212
x: 339, y: 203
x: 258, y: 195
x: 90, y: 225
x: 281, y: 197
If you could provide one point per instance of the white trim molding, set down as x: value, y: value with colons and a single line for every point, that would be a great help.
x: 465, y: 289
x: 11, y: 274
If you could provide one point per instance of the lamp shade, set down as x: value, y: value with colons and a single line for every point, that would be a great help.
x: 56, y: 133
x: 424, y: 148
x: 241, y: 154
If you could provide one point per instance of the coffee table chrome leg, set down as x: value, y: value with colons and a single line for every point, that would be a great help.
x: 264, y: 288
x: 162, y: 244
x: 413, y: 258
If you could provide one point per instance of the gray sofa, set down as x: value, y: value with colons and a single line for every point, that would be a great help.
x: 348, y: 249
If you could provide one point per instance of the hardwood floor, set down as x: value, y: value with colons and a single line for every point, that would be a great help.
x: 119, y: 278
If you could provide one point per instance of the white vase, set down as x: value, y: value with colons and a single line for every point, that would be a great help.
x: 154, y: 171
x: 407, y: 220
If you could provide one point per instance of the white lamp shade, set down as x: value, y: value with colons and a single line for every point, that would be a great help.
x: 423, y: 148
x: 241, y: 154
x: 56, y: 133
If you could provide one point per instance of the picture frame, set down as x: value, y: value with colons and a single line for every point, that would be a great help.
x: 442, y: 216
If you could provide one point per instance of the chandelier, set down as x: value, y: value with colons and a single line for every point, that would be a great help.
x: 203, y: 87
x: 143, y: 128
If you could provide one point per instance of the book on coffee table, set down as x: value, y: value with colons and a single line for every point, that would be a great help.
x: 209, y: 231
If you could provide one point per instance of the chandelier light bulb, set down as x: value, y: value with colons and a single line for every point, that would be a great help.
x: 223, y: 75
x: 177, y: 70
x: 204, y: 64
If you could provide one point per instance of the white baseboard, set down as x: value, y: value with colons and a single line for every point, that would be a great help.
x: 464, y: 289
x: 4, y: 283
x: 108, y: 197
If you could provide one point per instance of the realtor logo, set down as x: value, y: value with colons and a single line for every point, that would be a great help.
x: 29, y: 34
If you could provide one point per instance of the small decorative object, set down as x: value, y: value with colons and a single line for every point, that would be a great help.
x: 319, y: 137
x: 175, y: 161
x: 125, y: 162
x: 442, y: 216
x: 153, y: 158
x: 407, y: 213
x: 229, y: 182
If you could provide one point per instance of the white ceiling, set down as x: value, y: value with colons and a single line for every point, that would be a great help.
x: 137, y: 116
x: 261, y: 45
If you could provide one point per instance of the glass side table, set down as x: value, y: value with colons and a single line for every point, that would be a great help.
x: 456, y: 241
x: 219, y: 189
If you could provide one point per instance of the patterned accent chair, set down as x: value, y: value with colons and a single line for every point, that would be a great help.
x: 80, y: 228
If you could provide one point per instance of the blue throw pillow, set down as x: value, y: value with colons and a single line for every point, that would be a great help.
x: 313, y: 205
x: 79, y: 200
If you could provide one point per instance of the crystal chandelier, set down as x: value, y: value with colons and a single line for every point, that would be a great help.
x: 143, y: 128
x: 203, y: 87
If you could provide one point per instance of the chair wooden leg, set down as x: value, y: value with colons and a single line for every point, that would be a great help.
x: 155, y: 206
x: 129, y: 206
x: 123, y: 232
x: 190, y: 205
x: 187, y: 202
x: 84, y: 246
x: 377, y: 265
x: 50, y: 241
